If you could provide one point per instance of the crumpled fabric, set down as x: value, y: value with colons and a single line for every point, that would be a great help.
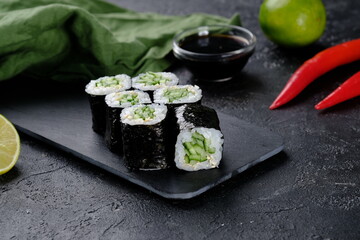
x: 70, y: 40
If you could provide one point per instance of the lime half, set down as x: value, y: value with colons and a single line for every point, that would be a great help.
x: 9, y: 145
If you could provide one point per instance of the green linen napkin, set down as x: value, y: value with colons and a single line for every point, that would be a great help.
x: 86, y: 39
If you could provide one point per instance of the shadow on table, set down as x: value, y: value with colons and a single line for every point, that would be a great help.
x: 10, y: 176
x: 227, y: 188
x: 243, y: 82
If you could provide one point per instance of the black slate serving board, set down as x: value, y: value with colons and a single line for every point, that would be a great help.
x: 59, y: 114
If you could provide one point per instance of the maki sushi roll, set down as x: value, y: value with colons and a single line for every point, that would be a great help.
x: 198, y: 148
x: 199, y: 142
x: 97, y: 89
x: 144, y: 132
x: 116, y: 102
x: 150, y: 81
x: 175, y: 95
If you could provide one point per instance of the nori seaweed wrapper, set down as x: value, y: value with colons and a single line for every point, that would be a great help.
x: 113, y: 136
x: 98, y: 111
x: 146, y: 146
x: 172, y: 107
x: 197, y: 116
x: 172, y: 120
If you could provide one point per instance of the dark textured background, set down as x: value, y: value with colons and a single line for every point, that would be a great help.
x: 310, y: 191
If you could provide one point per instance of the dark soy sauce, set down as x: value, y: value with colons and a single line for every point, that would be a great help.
x: 213, y: 44
x: 215, y: 68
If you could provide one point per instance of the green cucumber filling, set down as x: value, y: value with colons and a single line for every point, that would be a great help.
x: 198, y: 149
x: 132, y: 98
x: 152, y: 79
x: 144, y: 113
x: 176, y: 93
x: 108, y: 82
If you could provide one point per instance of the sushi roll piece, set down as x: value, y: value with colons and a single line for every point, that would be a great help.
x: 116, y: 102
x: 150, y: 81
x: 144, y: 132
x: 97, y: 89
x: 177, y: 95
x: 198, y: 148
x: 199, y: 143
x: 173, y: 97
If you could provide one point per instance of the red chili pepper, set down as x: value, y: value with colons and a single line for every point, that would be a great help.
x: 321, y: 63
x: 349, y: 89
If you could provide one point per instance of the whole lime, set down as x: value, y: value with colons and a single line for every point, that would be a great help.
x: 293, y: 23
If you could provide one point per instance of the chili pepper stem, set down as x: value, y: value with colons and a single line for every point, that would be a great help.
x: 349, y: 89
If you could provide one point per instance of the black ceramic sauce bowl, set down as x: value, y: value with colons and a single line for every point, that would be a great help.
x: 215, y: 52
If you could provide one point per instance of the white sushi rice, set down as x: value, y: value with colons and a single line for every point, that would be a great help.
x: 127, y: 115
x: 125, y: 83
x: 216, y: 139
x: 173, y: 80
x: 113, y: 99
x: 195, y: 94
x: 181, y: 122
